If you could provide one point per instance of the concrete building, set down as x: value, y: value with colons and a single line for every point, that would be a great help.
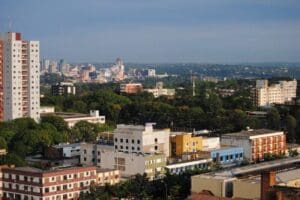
x: 220, y: 186
x: 63, y: 88
x: 209, y: 143
x: 131, y: 88
x: 53, y: 67
x: 151, y: 72
x: 228, y: 155
x: 141, y: 139
x: 1, y: 81
x: 73, y: 118
x: 91, y: 154
x: 131, y: 164
x: 160, y: 91
x: 184, y: 143
x: 252, y: 181
x: 265, y: 95
x: 257, y: 143
x: 118, y: 70
x: 47, y: 109
x: 108, y: 176
x: 69, y: 150
x: 36, y: 184
x: 20, y: 76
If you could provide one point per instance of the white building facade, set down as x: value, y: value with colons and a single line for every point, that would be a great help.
x: 141, y: 139
x: 264, y: 94
x: 21, y: 75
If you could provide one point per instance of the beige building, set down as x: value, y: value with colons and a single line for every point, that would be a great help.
x: 265, y: 95
x: 220, y: 186
x: 248, y: 188
x: 160, y: 91
x: 131, y: 164
x: 108, y: 176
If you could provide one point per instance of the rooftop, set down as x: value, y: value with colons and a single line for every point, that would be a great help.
x: 63, y: 145
x: 105, y: 170
x: 248, y: 133
x: 68, y: 115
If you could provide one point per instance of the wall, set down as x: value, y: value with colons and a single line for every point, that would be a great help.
x: 217, y: 185
x: 246, y: 189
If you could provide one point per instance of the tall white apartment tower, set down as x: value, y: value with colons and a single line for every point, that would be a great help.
x: 21, y: 79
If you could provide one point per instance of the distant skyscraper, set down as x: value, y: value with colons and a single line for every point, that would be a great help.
x: 62, y: 66
x: 117, y: 70
x: 45, y: 65
x: 53, y: 67
x: 21, y: 80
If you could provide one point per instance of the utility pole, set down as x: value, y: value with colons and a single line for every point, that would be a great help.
x: 193, y: 83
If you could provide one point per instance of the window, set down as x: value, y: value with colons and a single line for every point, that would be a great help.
x: 231, y: 157
x: 138, y: 148
x: 116, y: 146
x: 46, y: 190
x: 126, y: 140
x: 155, y: 147
x: 155, y: 140
x: 84, y: 151
x: 121, y: 140
x: 138, y: 141
x: 132, y: 141
x: 116, y: 139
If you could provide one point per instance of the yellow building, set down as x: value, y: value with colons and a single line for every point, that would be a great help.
x: 184, y: 143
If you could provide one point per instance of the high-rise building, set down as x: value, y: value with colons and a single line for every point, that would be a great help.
x: 264, y: 94
x: 45, y: 64
x: 63, y: 66
x: 1, y: 80
x: 21, y: 77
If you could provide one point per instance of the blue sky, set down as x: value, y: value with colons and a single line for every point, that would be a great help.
x: 217, y: 31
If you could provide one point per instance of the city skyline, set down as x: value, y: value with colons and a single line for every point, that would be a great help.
x: 159, y: 31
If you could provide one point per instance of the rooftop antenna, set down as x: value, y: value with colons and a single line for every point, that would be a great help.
x: 193, y: 83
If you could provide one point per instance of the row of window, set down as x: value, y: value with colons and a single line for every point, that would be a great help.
x: 126, y: 140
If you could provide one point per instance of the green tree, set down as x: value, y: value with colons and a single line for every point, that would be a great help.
x: 3, y: 143
x: 58, y: 122
x: 291, y: 124
x: 88, y: 131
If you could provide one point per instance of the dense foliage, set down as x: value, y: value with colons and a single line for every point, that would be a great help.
x: 207, y: 110
x: 23, y: 137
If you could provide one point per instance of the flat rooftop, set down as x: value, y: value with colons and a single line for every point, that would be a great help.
x: 37, y: 170
x: 252, y: 132
x: 68, y: 115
